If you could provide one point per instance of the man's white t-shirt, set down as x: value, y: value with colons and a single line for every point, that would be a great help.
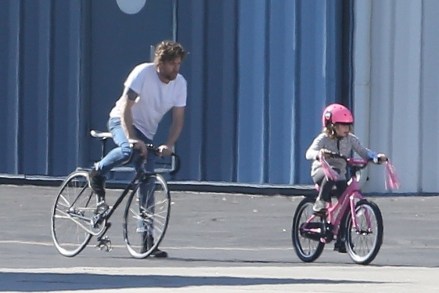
x: 155, y: 98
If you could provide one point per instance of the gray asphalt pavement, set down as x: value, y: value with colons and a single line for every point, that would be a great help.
x: 216, y: 242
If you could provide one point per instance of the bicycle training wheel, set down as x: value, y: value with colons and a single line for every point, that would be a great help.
x: 307, y: 247
x: 74, y: 207
x: 364, y: 242
x: 146, y: 216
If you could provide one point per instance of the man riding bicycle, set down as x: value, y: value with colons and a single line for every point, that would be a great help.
x: 151, y: 90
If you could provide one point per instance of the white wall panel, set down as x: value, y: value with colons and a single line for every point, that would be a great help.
x: 402, y: 50
x: 429, y: 175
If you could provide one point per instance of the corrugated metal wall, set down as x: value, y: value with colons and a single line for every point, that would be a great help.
x: 396, y: 88
x: 259, y: 73
x: 115, y: 43
x: 40, y: 77
x: 62, y: 68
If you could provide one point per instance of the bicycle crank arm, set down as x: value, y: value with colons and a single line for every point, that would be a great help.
x: 91, y: 221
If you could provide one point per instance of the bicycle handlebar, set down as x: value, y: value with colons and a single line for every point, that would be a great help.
x: 392, y: 181
x: 103, y: 136
x: 360, y: 163
x: 176, y: 157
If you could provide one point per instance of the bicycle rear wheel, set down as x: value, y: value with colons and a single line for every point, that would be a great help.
x: 307, y: 249
x: 73, y: 208
x: 147, y: 216
x: 364, y: 242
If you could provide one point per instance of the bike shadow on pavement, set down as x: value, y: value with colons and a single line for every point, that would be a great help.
x: 47, y: 282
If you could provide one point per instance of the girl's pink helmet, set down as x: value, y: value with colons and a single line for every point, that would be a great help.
x: 336, y: 113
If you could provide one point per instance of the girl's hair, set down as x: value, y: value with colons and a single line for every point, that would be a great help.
x: 167, y: 51
x: 330, y: 130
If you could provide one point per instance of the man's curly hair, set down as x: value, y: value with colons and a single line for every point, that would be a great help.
x: 167, y: 51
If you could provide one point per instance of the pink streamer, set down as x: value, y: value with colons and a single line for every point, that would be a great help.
x: 330, y: 173
x: 392, y: 181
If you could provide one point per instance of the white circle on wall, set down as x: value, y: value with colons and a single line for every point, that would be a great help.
x: 131, y: 6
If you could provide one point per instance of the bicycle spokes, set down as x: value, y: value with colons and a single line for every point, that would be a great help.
x: 306, y: 232
x: 70, y: 214
x: 364, y: 232
x: 146, y: 217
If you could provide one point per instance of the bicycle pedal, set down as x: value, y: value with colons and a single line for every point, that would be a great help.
x: 104, y: 244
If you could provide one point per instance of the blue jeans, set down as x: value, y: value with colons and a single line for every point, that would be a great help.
x: 121, y: 155
x: 123, y: 152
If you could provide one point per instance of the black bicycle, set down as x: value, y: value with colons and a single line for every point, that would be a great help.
x: 75, y: 220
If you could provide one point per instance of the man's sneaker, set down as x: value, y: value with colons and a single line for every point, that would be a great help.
x: 319, y: 206
x: 159, y: 253
x: 101, y: 207
x: 97, y: 182
x: 149, y: 242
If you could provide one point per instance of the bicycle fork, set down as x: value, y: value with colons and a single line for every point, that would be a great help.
x: 355, y: 223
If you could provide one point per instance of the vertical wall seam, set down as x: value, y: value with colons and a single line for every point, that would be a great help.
x: 16, y: 64
x: 392, y: 66
x: 370, y: 64
x: 50, y: 87
x: 20, y: 126
x: 174, y: 20
x: 371, y: 45
x: 350, y: 65
x: 84, y: 76
x: 203, y: 156
x: 324, y: 53
x: 297, y: 82
x: 236, y: 94
x: 421, y: 121
x: 266, y: 131
x: 292, y: 158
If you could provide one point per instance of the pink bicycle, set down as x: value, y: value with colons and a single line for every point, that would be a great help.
x: 355, y: 223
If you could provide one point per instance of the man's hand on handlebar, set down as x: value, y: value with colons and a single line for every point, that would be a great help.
x: 164, y: 150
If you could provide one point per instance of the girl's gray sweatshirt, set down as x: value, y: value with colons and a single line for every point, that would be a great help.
x: 343, y: 146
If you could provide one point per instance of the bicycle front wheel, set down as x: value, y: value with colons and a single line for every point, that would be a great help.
x: 73, y: 208
x: 307, y: 247
x: 364, y: 240
x: 146, y: 216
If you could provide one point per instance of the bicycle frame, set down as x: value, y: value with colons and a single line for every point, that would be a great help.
x: 140, y: 174
x: 119, y: 200
x: 75, y: 219
x: 353, y: 222
x: 348, y: 199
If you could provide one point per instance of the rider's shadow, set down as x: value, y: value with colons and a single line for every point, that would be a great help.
x: 46, y: 282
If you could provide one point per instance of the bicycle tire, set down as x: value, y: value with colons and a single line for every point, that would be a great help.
x: 308, y: 250
x: 364, y: 245
x: 69, y: 233
x: 146, y: 219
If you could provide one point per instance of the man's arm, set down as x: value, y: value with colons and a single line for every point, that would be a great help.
x: 175, y: 129
x: 128, y: 99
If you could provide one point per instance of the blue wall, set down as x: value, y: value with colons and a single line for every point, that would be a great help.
x: 259, y: 73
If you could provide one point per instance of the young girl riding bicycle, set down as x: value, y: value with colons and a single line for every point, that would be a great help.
x: 336, y: 137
